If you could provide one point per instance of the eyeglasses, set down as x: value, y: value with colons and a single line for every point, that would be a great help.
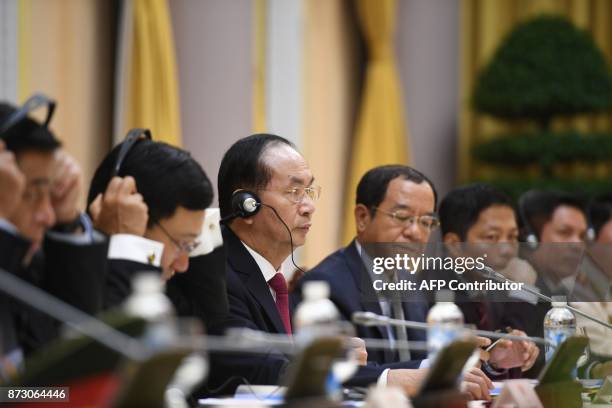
x: 426, y: 222
x: 297, y: 194
x: 36, y: 192
x: 187, y: 247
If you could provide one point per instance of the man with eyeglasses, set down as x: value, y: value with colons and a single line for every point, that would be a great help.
x: 154, y: 210
x: 394, y: 204
x: 272, y: 168
x: 45, y: 239
x: 256, y: 247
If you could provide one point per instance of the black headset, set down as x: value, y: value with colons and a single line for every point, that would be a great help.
x: 531, y: 238
x: 133, y: 136
x: 590, y: 232
x: 34, y: 102
x: 244, y: 204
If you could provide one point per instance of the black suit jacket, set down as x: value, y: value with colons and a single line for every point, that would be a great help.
x: 351, y: 291
x: 12, y: 250
x: 73, y: 273
x: 252, y: 306
x: 198, y: 292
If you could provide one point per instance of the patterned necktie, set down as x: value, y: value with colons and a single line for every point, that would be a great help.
x: 279, y: 286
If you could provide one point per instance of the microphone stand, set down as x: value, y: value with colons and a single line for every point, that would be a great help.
x: 73, y: 317
x: 372, y: 319
x: 490, y: 273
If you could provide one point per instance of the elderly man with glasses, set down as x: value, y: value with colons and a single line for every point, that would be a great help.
x: 394, y: 204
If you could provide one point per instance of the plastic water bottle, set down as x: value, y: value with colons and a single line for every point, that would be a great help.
x: 559, y: 324
x: 316, y: 311
x: 149, y: 302
x: 445, y: 321
x: 317, y: 316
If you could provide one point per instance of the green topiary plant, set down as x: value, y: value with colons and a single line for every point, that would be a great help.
x: 545, y: 67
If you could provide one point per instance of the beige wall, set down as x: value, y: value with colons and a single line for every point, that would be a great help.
x: 214, y: 44
x: 427, y: 46
x: 67, y: 46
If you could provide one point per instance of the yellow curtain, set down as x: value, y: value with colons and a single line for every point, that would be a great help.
x: 381, y: 136
x: 259, y: 71
x: 484, y: 24
x: 149, y: 91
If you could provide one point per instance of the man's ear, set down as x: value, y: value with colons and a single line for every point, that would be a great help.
x: 362, y: 217
x: 452, y: 243
x: 451, y: 238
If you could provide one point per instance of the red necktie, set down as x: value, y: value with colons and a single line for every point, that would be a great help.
x: 279, y: 286
x: 483, y: 315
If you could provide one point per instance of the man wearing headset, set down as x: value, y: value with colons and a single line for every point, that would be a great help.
x: 555, y: 227
x: 153, y: 202
x: 52, y: 245
x: 258, y: 239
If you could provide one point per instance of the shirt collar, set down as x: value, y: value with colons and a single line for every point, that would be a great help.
x: 264, y: 265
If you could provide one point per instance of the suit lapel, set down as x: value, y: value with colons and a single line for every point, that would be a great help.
x: 363, y: 281
x: 246, y: 267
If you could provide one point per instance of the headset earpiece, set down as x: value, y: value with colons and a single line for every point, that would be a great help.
x: 531, y: 238
x: 245, y: 203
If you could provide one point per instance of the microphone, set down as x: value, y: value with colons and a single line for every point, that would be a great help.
x: 373, y: 319
x: 490, y: 273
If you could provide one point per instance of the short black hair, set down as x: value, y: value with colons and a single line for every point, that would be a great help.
x: 600, y: 211
x: 242, y: 167
x: 461, y: 207
x: 536, y: 208
x: 27, y: 134
x: 167, y: 178
x: 372, y: 187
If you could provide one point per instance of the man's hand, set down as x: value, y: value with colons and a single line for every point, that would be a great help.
x: 509, y: 354
x: 358, y: 348
x: 483, y: 342
x: 12, y: 183
x: 121, y: 210
x: 407, y: 379
x: 530, y: 353
x: 477, y: 384
x: 65, y: 187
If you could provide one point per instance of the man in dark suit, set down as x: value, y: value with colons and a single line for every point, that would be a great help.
x: 57, y: 250
x: 478, y: 220
x: 257, y: 245
x: 558, y: 223
x: 393, y: 204
x: 154, y: 212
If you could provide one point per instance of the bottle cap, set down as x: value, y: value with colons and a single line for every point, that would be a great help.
x: 147, y: 282
x: 559, y: 301
x: 445, y: 296
x: 316, y: 290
